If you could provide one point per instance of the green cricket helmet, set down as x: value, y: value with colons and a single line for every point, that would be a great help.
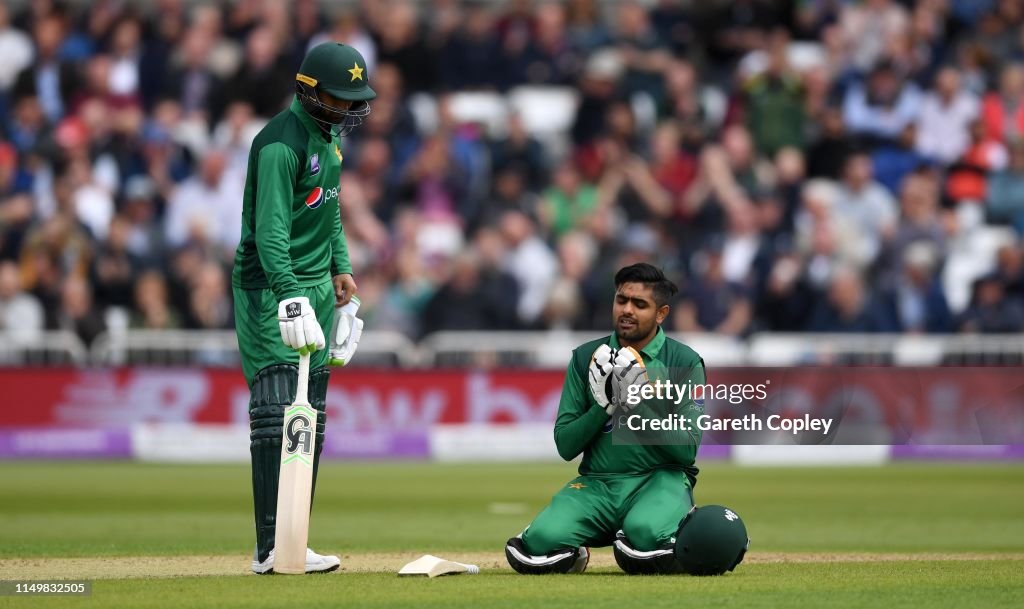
x: 711, y: 540
x: 340, y: 71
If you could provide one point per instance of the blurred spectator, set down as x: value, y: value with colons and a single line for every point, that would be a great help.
x: 565, y: 308
x: 77, y: 313
x: 1002, y: 110
x: 1005, y: 191
x: 865, y: 207
x: 400, y: 41
x: 868, y: 26
x: 190, y: 82
x: 671, y: 167
x: 786, y: 302
x: 737, y: 28
x: 990, y: 311
x: 126, y: 52
x: 827, y: 156
x: 521, y: 152
x: 918, y: 302
x: 145, y: 237
x: 152, y: 306
x: 461, y: 302
x: 642, y: 51
x: 880, y: 108
x: 774, y: 104
x: 698, y: 108
x: 266, y: 78
x: 1010, y: 268
x: 530, y: 261
x: 210, y: 306
x: 15, y: 48
x: 848, y: 306
x: 711, y: 303
x: 943, y: 124
x: 568, y: 202
x: 892, y: 161
x: 21, y: 315
x: 472, y: 54
x: 49, y: 78
x: 206, y: 208
x: 114, y: 268
x: 584, y: 27
x: 967, y: 179
x: 920, y: 221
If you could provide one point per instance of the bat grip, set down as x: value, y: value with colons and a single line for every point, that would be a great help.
x: 302, y: 387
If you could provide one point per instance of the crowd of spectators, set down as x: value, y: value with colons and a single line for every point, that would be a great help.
x: 800, y: 165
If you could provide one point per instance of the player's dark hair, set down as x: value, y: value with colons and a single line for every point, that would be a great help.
x: 651, y: 275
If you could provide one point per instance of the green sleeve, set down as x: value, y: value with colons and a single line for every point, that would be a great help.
x: 339, y: 248
x: 681, y: 447
x: 276, y: 175
x: 579, y: 419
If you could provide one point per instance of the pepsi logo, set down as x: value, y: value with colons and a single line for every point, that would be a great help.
x: 315, y: 198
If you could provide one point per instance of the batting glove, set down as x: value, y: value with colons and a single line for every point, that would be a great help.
x: 600, y: 375
x: 628, y: 370
x: 345, y: 333
x: 299, y: 328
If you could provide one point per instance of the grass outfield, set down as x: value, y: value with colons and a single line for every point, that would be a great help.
x: 908, y: 535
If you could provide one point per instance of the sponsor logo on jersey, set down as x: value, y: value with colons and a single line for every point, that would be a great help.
x: 314, y: 164
x: 315, y: 198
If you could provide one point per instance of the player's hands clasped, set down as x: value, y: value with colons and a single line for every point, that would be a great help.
x: 299, y: 328
x: 345, y: 333
x: 628, y: 369
x: 600, y: 375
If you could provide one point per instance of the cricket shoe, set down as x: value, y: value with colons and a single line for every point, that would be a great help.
x: 315, y: 563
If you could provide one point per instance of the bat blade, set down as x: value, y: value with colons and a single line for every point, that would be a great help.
x: 295, y: 482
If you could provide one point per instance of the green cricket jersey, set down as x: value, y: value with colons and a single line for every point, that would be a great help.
x: 291, y: 229
x: 583, y: 426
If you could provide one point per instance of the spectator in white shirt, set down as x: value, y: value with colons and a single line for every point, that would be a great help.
x: 943, y: 125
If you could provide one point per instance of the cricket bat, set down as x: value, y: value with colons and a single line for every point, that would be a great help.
x: 295, y: 483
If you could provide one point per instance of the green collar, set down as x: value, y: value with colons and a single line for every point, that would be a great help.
x: 652, y: 348
x: 304, y: 118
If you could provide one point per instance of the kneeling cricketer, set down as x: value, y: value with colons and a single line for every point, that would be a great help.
x: 634, y: 496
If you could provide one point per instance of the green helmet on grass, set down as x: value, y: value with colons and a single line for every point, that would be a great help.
x: 339, y: 71
x: 711, y: 540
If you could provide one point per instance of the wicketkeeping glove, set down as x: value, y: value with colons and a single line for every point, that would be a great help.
x: 345, y: 333
x: 299, y: 328
x: 600, y: 375
x: 627, y: 370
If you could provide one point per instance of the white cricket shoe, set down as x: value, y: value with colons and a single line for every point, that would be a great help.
x: 315, y: 563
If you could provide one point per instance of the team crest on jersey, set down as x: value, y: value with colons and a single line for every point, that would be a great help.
x: 314, y: 164
x: 315, y: 198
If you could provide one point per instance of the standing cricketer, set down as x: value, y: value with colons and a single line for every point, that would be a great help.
x: 292, y: 268
x: 636, y: 497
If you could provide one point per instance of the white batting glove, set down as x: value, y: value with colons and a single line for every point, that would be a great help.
x: 345, y: 333
x: 299, y: 328
x: 628, y: 370
x: 600, y: 374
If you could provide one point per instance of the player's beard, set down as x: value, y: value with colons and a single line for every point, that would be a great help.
x: 637, y: 333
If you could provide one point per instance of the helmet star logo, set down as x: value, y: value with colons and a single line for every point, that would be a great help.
x: 577, y: 485
x: 356, y: 72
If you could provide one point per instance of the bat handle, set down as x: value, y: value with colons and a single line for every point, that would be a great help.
x: 301, y: 389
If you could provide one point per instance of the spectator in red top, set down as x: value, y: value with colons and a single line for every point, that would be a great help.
x: 1003, y: 110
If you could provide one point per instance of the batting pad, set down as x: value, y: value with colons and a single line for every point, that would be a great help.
x: 432, y: 566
